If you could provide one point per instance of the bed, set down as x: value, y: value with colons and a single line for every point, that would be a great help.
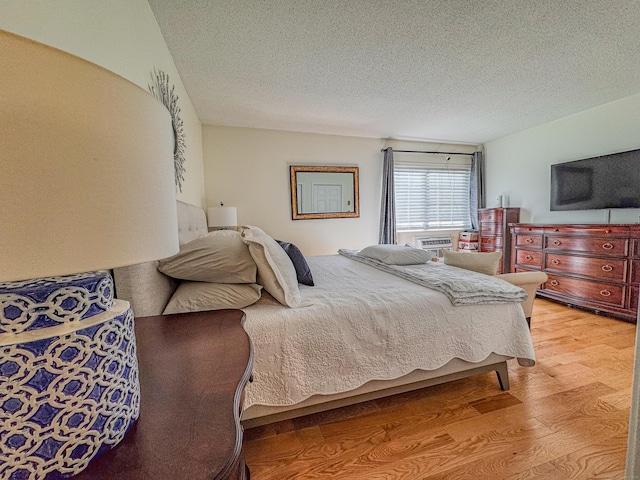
x: 359, y: 333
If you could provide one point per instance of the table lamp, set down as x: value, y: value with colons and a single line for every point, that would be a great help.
x: 86, y: 184
x: 222, y: 217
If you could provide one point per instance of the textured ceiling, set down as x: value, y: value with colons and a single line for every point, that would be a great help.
x: 450, y: 70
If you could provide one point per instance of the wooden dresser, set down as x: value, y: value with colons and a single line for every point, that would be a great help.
x: 494, y: 234
x: 593, y: 266
x: 193, y: 369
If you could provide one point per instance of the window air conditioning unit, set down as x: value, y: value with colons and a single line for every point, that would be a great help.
x: 434, y: 244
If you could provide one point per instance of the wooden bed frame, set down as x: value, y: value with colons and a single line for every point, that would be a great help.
x: 148, y: 291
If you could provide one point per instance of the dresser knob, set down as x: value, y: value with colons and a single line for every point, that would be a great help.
x: 556, y: 242
x: 528, y: 257
x: 607, y: 246
x: 607, y: 268
x: 605, y: 293
x: 528, y: 240
x: 555, y: 283
x: 555, y: 261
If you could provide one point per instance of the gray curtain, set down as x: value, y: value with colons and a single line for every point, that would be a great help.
x: 476, y: 192
x: 388, y: 206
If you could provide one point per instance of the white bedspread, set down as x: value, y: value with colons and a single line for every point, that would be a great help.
x: 461, y: 287
x: 366, y: 324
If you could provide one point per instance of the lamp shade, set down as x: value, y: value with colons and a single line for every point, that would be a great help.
x: 86, y: 180
x: 222, y: 216
x: 86, y: 183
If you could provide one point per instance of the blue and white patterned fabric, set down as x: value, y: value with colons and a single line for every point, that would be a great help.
x: 69, y: 385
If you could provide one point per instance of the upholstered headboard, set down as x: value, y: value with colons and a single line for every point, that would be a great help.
x: 143, y: 285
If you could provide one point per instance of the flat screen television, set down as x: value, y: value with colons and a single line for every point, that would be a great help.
x: 608, y: 181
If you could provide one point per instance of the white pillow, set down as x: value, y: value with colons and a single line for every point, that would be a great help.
x: 276, y: 272
x: 212, y: 258
x: 396, y: 254
x: 202, y: 296
x: 481, y: 262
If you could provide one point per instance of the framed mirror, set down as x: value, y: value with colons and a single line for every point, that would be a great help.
x: 324, y: 192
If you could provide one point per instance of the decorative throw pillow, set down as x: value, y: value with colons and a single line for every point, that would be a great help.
x: 303, y: 272
x: 396, y: 254
x: 276, y: 272
x: 212, y: 258
x: 202, y: 296
x: 481, y: 262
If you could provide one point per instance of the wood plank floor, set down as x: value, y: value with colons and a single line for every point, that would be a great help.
x: 565, y: 418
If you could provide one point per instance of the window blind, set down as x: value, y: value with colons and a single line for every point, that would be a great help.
x: 430, y: 196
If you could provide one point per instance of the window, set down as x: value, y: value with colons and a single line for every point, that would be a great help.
x: 431, y: 196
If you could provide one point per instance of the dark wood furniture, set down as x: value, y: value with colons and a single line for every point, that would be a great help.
x: 494, y: 234
x: 193, y: 369
x: 593, y: 266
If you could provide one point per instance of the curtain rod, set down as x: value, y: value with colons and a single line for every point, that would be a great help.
x: 423, y: 151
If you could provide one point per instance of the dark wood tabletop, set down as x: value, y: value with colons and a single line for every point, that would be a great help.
x: 193, y: 369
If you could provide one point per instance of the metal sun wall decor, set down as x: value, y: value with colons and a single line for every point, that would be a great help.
x: 164, y: 91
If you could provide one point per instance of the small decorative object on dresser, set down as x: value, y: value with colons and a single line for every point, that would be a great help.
x: 493, y: 232
x: 594, y: 266
x: 193, y: 370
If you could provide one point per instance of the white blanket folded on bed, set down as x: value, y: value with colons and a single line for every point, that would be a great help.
x: 462, y: 287
x: 365, y: 324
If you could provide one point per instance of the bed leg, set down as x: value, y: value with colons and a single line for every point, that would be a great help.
x: 503, y: 375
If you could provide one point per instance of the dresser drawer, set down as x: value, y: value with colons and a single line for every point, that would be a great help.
x: 600, y: 268
x: 633, y: 301
x: 635, y: 272
x: 524, y: 240
x: 588, y: 290
x: 490, y: 216
x: 590, y: 231
x: 490, y: 229
x: 528, y: 230
x: 635, y: 248
x: 595, y: 245
x: 491, y: 241
x: 528, y: 257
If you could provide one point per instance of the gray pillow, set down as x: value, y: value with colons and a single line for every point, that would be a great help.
x: 202, y: 296
x: 396, y: 254
x: 212, y: 258
x: 303, y: 272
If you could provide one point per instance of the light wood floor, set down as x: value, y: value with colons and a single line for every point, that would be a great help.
x: 565, y: 418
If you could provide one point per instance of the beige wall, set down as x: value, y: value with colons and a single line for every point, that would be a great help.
x: 249, y: 169
x: 122, y: 36
x: 519, y: 165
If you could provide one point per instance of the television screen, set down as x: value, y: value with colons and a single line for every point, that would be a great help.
x: 609, y: 181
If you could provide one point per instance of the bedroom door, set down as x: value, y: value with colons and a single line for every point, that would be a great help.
x: 327, y: 197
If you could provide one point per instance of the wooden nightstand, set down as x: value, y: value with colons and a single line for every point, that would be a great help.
x: 193, y: 370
